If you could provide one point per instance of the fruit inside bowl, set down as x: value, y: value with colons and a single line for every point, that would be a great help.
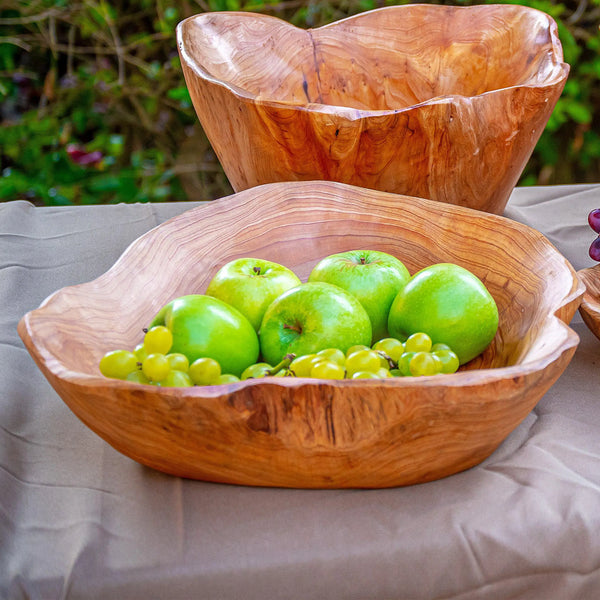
x: 300, y: 432
x: 439, y: 102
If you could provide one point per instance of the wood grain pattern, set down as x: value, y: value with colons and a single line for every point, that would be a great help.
x: 309, y: 433
x: 590, y: 302
x: 432, y: 101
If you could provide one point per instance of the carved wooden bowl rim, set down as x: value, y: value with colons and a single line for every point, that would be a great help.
x: 572, y: 296
x: 557, y: 77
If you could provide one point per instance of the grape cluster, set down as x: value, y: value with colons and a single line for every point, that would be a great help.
x: 594, y: 222
x: 389, y: 357
x: 151, y: 363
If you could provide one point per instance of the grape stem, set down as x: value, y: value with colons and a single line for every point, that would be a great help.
x: 284, y: 364
x: 391, y: 362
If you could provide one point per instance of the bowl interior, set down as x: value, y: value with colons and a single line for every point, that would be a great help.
x: 384, y: 59
x: 297, y: 224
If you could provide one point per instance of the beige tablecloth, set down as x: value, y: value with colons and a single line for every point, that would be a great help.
x: 79, y: 520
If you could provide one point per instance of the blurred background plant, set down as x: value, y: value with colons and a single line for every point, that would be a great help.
x: 94, y: 108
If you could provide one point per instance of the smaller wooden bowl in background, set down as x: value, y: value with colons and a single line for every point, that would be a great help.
x: 296, y: 432
x: 590, y: 302
x: 439, y: 102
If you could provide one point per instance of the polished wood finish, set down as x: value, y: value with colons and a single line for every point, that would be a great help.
x: 300, y: 432
x: 439, y: 102
x: 590, y: 303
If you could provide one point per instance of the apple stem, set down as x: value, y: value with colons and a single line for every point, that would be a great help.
x: 256, y: 270
x: 363, y: 260
x: 294, y: 327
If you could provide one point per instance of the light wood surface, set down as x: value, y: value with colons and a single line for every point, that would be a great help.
x: 590, y: 302
x: 300, y: 432
x: 433, y: 101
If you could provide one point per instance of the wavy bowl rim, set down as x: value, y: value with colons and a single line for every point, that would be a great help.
x: 468, y: 378
x: 354, y: 114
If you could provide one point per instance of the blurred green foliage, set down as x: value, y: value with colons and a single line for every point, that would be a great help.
x: 94, y: 108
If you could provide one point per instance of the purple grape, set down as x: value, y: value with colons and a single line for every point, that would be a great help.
x: 595, y: 249
x: 594, y: 220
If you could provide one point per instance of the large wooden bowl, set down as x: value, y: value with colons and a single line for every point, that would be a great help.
x: 439, y: 102
x: 302, y: 432
x: 590, y: 302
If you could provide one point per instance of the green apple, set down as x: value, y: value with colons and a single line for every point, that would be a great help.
x: 250, y: 285
x: 451, y: 305
x: 372, y: 276
x: 203, y: 326
x: 311, y: 317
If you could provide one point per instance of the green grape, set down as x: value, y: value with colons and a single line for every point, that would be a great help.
x: 327, y: 369
x: 205, y: 371
x: 390, y: 347
x: 227, y: 378
x: 404, y: 363
x: 140, y: 352
x: 438, y: 363
x: 156, y: 367
x: 137, y: 376
x: 383, y: 373
x: 302, y: 365
x: 256, y: 370
x: 364, y: 375
x: 450, y: 362
x: 177, y: 378
x: 333, y: 354
x: 417, y: 342
x: 158, y: 340
x: 117, y: 364
x: 439, y: 346
x: 396, y: 373
x: 178, y: 361
x: 363, y: 360
x: 356, y: 348
x: 424, y: 363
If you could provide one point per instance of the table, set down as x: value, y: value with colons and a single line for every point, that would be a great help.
x: 79, y: 520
